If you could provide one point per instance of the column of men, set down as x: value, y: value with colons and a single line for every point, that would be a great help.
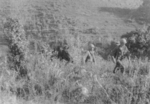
x: 118, y: 54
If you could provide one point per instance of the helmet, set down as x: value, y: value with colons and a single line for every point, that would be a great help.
x: 92, y: 46
x: 117, y: 43
x: 123, y: 41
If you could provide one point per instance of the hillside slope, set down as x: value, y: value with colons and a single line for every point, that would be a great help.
x: 85, y: 12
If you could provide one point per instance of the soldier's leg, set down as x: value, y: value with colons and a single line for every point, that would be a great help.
x: 87, y: 58
x: 118, y: 66
x: 121, y: 67
x: 115, y: 68
x: 93, y: 59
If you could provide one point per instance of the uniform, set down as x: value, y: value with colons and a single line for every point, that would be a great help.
x: 119, y: 54
x: 62, y: 54
x: 90, y: 55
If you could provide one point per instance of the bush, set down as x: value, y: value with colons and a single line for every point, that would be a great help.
x: 137, y: 43
x: 14, y: 35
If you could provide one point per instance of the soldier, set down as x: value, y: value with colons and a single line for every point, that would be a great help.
x: 119, y: 54
x: 90, y: 54
x: 62, y: 54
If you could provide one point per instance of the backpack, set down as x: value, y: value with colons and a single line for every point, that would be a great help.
x: 120, y: 54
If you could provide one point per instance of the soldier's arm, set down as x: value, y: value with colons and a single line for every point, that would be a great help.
x: 113, y: 59
x: 89, y: 54
x: 84, y: 58
x: 128, y: 54
x: 94, y: 59
x: 113, y: 55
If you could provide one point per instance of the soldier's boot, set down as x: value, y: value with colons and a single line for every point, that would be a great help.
x: 115, y: 69
x: 119, y: 66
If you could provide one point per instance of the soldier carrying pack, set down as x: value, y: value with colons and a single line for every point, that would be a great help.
x: 119, y: 54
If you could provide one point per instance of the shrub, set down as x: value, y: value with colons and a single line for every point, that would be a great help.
x: 137, y: 43
x: 14, y: 35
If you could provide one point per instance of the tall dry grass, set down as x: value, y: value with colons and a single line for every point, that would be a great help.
x: 30, y: 77
x: 56, y: 83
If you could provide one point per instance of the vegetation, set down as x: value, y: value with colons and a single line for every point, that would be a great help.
x: 138, y: 42
x: 30, y: 76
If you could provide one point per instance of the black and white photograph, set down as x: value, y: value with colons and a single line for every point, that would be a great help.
x: 74, y: 51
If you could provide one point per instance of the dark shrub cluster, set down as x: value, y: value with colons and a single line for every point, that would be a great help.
x: 14, y: 36
x: 137, y: 43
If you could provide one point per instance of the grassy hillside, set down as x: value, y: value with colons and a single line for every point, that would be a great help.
x: 29, y: 31
x: 85, y: 13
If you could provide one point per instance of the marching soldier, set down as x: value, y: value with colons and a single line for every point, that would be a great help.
x: 90, y: 55
x: 119, y: 54
x: 61, y: 52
